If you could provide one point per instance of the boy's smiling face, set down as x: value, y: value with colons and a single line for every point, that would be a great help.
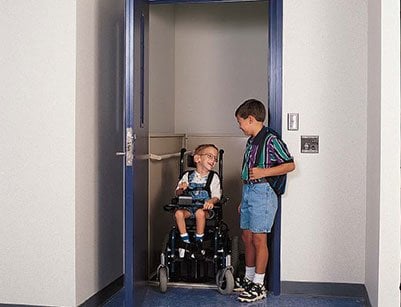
x: 250, y: 125
x: 206, y: 160
x: 245, y: 124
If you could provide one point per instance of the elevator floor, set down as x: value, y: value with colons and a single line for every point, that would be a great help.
x: 208, y: 296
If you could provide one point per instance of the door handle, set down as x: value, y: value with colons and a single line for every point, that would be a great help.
x: 129, y: 145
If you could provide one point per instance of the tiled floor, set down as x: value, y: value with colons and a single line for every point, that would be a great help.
x: 210, y: 297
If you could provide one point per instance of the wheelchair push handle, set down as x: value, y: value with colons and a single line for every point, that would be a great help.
x: 182, y: 154
x: 221, y: 153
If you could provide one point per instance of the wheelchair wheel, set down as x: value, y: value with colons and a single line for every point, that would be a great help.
x: 163, y: 279
x: 225, y: 281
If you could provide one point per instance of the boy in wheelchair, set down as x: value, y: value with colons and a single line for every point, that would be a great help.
x: 202, y: 185
x: 199, y: 195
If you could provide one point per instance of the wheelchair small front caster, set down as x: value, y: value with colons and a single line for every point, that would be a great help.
x: 225, y: 281
x: 163, y: 279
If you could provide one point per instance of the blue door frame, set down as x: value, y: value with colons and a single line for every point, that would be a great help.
x: 129, y: 176
x: 275, y: 121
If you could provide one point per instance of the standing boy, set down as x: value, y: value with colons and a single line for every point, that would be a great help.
x: 266, y: 155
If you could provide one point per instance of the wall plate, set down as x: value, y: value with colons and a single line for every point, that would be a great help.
x: 292, y: 121
x: 309, y: 143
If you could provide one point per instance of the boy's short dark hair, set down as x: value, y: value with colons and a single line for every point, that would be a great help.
x: 252, y: 107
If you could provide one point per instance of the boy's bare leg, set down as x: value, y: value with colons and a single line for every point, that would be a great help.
x: 247, y: 238
x: 200, y: 216
x: 261, y: 252
x: 180, y: 216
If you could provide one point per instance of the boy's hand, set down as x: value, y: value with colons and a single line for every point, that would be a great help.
x: 256, y: 173
x: 208, y: 205
x: 183, y: 186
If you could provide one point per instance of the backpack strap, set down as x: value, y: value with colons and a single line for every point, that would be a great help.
x: 277, y: 183
x: 208, y: 183
x: 261, y: 146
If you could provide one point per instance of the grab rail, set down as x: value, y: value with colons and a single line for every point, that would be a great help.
x: 166, y: 156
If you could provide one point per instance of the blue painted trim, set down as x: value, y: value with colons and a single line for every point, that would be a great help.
x: 275, y: 122
x: 129, y: 197
x: 199, y: 1
x: 142, y: 72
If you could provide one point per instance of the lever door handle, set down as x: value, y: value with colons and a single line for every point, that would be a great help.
x: 120, y: 153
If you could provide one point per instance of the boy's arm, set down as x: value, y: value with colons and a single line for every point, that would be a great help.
x: 182, y: 185
x: 181, y: 188
x: 284, y: 168
x: 216, y: 193
x: 209, y: 204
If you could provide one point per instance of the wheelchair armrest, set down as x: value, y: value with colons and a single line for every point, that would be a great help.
x: 181, y: 202
x: 221, y: 202
x: 170, y: 207
x: 217, y: 205
x: 173, y: 206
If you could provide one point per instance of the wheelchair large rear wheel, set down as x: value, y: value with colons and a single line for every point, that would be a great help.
x: 163, y: 279
x: 225, y: 281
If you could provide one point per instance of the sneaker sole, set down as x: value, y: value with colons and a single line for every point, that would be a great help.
x: 238, y: 289
x: 250, y: 300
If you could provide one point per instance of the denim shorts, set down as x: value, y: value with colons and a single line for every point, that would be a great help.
x: 258, y: 207
x: 192, y: 209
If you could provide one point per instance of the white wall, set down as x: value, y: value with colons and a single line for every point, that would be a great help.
x: 383, y: 175
x: 37, y: 133
x: 61, y: 184
x: 99, y: 135
x: 373, y: 153
x: 325, y: 81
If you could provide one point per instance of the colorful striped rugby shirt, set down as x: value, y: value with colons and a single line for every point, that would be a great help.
x: 276, y: 149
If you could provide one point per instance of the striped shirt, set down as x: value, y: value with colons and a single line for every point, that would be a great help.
x: 273, y: 153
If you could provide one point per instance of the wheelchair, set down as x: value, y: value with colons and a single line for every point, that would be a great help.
x: 220, y: 251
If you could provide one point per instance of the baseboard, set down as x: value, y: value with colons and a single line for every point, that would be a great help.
x: 103, y: 295
x: 325, y: 289
x: 95, y: 300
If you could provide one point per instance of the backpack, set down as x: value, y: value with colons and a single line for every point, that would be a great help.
x: 277, y: 183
